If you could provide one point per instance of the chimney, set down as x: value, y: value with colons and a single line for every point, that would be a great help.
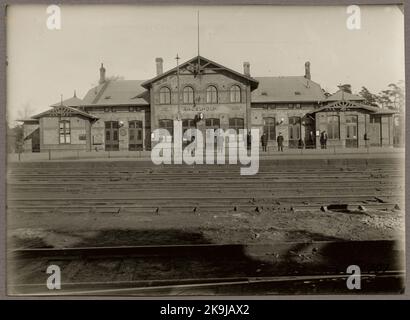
x: 102, y: 74
x: 159, y: 62
x: 307, y: 70
x: 247, y: 69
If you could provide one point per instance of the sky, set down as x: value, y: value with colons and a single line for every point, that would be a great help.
x: 44, y: 64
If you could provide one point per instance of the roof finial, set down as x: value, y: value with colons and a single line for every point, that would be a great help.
x: 61, y: 99
x: 75, y: 94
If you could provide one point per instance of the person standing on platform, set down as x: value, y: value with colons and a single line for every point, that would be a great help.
x: 264, y: 141
x: 280, y: 142
x: 323, y: 140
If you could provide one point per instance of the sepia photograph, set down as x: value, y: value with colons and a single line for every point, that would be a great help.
x: 186, y: 150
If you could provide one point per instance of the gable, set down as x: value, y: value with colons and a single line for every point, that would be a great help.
x: 344, y: 105
x: 63, y: 111
x: 200, y: 66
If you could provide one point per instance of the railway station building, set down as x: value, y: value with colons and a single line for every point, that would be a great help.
x: 122, y: 114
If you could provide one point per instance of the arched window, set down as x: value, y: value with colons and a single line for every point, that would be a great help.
x: 188, y: 95
x: 164, y: 95
x: 235, y: 94
x: 211, y: 95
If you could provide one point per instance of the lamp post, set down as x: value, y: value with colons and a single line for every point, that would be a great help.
x: 178, y: 98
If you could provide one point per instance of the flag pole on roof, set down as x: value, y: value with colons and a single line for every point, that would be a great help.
x: 199, y: 66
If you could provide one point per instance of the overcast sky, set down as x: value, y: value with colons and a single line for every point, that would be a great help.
x: 43, y: 64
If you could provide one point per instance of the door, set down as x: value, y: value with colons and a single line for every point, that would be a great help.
x: 269, y: 127
x: 351, y: 132
x: 135, y: 135
x: 374, y: 133
x: 187, y: 124
x: 111, y: 136
x: 294, y: 132
x: 212, y: 123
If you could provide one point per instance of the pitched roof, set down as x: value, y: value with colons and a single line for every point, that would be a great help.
x: 342, y: 95
x: 64, y: 111
x: 202, y: 61
x: 117, y: 92
x: 71, y: 102
x: 287, y: 89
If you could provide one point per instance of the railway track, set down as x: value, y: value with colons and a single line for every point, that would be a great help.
x: 293, y: 267
x: 81, y: 190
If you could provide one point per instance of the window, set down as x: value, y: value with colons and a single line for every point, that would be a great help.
x: 165, y: 95
x: 235, y: 94
x: 107, y: 109
x: 236, y: 124
x: 212, y: 123
x: 333, y: 127
x: 211, y: 95
x: 188, y: 95
x: 269, y: 127
x: 168, y: 125
x: 65, y: 133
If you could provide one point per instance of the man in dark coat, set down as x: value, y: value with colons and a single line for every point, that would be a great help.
x: 323, y: 140
x: 280, y: 142
x: 264, y: 141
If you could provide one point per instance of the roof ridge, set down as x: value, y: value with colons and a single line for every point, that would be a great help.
x: 99, y: 94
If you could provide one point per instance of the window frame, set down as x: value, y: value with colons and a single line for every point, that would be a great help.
x: 65, y: 133
x: 164, y: 92
x: 188, y: 94
x: 235, y: 96
x: 212, y: 94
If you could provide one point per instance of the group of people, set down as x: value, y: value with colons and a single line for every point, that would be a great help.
x: 264, y: 142
x: 279, y: 140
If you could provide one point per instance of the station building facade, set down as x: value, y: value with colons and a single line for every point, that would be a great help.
x: 122, y: 114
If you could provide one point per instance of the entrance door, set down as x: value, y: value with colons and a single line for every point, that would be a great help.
x: 351, y: 132
x: 374, y: 132
x: 294, y: 132
x: 212, y: 123
x: 187, y: 124
x: 135, y: 135
x: 269, y: 127
x: 111, y: 136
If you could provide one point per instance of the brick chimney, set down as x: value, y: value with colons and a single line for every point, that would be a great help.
x: 102, y: 74
x: 247, y: 69
x: 159, y: 63
x: 307, y: 70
